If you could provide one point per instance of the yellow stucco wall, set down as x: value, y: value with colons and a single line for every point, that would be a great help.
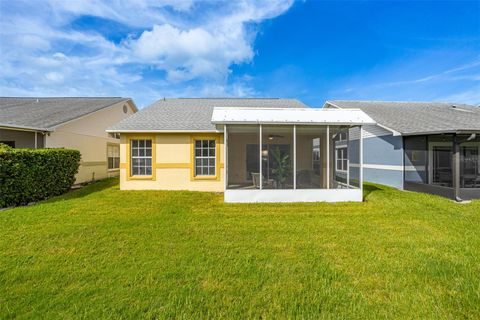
x: 88, y: 135
x: 173, y: 163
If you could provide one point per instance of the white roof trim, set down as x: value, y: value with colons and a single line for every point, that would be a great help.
x: 159, y: 131
x: 306, y: 116
x: 8, y: 126
x: 441, y: 132
x: 115, y: 104
x: 395, y: 133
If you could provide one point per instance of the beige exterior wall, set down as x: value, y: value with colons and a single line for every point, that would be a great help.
x: 237, y: 165
x: 172, y: 163
x: 87, y: 134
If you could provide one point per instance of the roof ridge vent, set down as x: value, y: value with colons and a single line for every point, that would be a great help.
x: 456, y: 108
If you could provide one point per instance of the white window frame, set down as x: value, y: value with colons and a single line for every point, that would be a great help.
x: 316, y: 150
x: 342, y: 136
x: 206, y: 156
x: 141, y: 157
x: 114, y: 155
x: 344, y: 152
x: 114, y: 135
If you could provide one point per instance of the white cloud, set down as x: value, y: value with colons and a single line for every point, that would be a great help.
x: 209, y: 49
x: 54, y: 76
x: 188, y: 45
x: 454, y: 79
x: 193, y: 53
x: 471, y: 96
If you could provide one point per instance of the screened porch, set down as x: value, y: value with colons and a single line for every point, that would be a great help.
x: 284, y: 161
x: 443, y: 164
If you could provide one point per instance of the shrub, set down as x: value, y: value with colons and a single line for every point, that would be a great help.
x: 4, y: 147
x: 28, y: 175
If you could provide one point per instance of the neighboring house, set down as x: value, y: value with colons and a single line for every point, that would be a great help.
x: 421, y: 146
x: 253, y: 150
x: 75, y: 123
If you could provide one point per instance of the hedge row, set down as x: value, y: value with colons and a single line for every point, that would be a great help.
x: 28, y: 175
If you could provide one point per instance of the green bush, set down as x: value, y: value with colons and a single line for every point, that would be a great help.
x: 28, y: 175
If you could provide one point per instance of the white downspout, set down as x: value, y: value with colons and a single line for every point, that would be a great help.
x: 294, y: 157
x: 348, y: 158
x: 328, y: 157
x: 361, y: 159
x: 260, y: 156
x: 225, y: 156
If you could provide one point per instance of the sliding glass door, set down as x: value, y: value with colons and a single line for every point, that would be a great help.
x: 277, y: 157
x: 470, y: 177
x: 442, y: 165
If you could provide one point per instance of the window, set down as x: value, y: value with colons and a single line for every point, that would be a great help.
x: 141, y: 157
x: 113, y: 156
x: 415, y: 155
x: 469, y: 160
x: 252, y: 161
x: 442, y: 165
x: 205, y: 158
x: 342, y: 136
x: 341, y: 163
x: 114, y: 135
x: 316, y: 156
x: 469, y: 165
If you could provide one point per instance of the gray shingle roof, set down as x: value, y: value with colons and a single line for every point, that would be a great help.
x: 192, y: 114
x: 46, y: 113
x: 410, y: 118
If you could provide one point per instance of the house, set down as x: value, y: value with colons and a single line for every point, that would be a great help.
x: 253, y: 150
x: 75, y: 123
x: 421, y: 146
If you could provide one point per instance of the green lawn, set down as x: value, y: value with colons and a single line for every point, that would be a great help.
x: 104, y: 253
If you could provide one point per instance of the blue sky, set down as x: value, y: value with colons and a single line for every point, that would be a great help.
x: 309, y: 50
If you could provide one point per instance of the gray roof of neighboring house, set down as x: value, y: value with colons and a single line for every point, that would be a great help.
x: 192, y: 114
x: 410, y: 118
x: 45, y: 114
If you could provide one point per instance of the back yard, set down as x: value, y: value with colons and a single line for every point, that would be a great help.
x: 102, y: 253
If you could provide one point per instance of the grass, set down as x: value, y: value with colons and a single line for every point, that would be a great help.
x: 103, y: 253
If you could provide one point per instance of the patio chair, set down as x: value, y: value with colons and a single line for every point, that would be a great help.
x: 304, y: 178
x: 445, y: 178
x: 476, y: 182
x: 268, y: 183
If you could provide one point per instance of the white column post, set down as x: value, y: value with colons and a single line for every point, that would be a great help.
x: 361, y: 158
x: 294, y: 157
x: 225, y: 156
x: 260, y: 156
x: 348, y: 157
x: 35, y: 139
x: 328, y: 157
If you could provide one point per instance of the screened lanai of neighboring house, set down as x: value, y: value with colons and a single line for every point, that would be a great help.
x: 283, y: 155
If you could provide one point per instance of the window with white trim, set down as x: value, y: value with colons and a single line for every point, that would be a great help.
x: 114, y: 135
x: 141, y: 154
x: 342, y: 136
x: 341, y: 159
x: 205, y: 158
x: 113, y: 156
x: 316, y: 156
